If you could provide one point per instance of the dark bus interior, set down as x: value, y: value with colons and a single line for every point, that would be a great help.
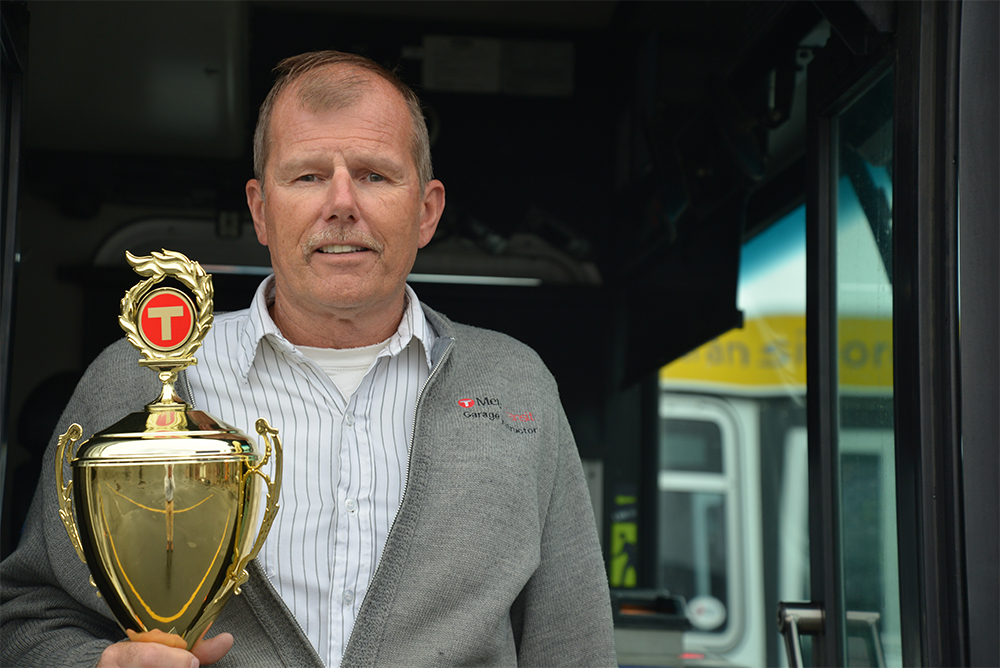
x: 616, y: 154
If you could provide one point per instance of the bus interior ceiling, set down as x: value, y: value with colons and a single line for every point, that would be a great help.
x: 618, y: 153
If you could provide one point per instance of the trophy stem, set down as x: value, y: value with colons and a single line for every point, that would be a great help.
x: 167, y: 371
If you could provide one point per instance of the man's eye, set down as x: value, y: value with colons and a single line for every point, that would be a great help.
x: 375, y: 178
x: 308, y: 178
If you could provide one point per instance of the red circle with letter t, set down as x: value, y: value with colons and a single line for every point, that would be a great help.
x: 166, y: 319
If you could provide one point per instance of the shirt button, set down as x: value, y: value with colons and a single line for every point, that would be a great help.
x: 351, y: 505
x: 349, y: 419
x: 348, y: 597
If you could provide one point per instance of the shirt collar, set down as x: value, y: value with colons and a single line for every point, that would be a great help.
x: 414, y: 325
x: 260, y: 325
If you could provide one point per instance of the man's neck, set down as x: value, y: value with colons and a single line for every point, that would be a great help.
x: 335, y: 330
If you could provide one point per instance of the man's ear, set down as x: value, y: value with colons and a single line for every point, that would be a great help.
x: 433, y: 207
x: 255, y: 201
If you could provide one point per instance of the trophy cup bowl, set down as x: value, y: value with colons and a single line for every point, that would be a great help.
x: 164, y: 506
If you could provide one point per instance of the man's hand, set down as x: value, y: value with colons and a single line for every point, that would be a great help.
x: 156, y: 649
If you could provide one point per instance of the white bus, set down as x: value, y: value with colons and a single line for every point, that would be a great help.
x: 731, y: 470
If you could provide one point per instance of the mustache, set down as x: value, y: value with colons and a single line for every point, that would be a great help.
x: 343, y: 235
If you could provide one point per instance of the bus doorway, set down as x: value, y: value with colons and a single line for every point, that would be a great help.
x: 730, y: 229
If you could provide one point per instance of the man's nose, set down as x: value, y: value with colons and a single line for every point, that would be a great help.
x: 340, y: 203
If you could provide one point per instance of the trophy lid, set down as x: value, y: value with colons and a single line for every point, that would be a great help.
x: 172, y: 435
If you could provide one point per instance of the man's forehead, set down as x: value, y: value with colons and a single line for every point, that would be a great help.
x: 369, y: 115
x: 336, y: 87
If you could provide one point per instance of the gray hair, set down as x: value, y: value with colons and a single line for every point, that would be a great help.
x: 334, y: 80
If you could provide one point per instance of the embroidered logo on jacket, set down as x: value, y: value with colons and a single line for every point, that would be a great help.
x: 490, y: 408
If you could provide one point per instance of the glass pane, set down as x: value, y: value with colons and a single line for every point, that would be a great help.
x: 733, y: 495
x: 690, y: 445
x: 864, y: 343
x: 693, y: 557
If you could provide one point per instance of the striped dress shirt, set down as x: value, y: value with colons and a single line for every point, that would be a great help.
x: 345, y: 460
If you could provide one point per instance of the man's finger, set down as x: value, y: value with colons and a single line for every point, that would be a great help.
x: 158, y: 636
x: 211, y: 650
x: 146, y: 655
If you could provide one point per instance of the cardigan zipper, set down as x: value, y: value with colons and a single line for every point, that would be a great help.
x: 406, y: 486
x: 284, y: 607
x: 188, y: 390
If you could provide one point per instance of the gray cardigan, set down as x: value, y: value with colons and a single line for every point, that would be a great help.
x: 493, y: 558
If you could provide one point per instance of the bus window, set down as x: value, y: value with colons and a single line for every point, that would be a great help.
x: 699, y: 553
x: 864, y: 332
x: 690, y: 445
x: 692, y: 556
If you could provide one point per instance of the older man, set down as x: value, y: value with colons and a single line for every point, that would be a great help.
x: 415, y: 527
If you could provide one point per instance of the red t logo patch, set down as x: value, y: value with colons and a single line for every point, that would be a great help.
x: 166, y: 319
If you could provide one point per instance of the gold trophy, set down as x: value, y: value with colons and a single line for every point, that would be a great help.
x: 167, y: 500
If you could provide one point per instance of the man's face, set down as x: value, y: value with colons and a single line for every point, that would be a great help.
x: 341, y: 209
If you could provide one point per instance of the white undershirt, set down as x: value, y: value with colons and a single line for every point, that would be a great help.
x: 345, y: 367
x: 346, y: 452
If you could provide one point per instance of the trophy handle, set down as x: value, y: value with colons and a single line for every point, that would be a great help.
x: 237, y: 572
x: 64, y: 450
